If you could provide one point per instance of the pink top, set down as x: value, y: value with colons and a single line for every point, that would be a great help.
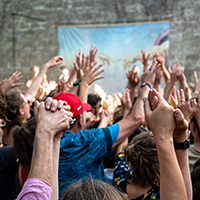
x: 35, y: 188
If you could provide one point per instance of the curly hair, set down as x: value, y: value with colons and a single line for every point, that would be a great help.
x: 10, y: 103
x: 92, y: 189
x: 142, y: 156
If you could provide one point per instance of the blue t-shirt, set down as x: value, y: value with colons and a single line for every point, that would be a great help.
x: 81, y: 154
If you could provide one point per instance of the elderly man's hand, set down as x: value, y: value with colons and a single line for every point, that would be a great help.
x: 53, y: 116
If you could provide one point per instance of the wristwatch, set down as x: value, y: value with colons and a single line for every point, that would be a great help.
x: 77, y: 82
x: 182, y: 145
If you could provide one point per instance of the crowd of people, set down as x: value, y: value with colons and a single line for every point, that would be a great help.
x: 60, y: 142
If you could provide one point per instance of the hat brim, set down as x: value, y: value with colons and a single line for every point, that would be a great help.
x: 87, y: 107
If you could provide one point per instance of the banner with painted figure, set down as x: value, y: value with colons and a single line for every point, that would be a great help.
x: 119, y: 48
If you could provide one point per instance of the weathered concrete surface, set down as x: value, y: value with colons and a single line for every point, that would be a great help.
x: 36, y: 36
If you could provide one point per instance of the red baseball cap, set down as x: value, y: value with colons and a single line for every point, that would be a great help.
x: 77, y: 107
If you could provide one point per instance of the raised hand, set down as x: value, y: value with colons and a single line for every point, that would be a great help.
x: 126, y: 102
x: 10, y: 82
x: 173, y: 73
x: 53, y: 116
x: 90, y: 120
x: 93, y: 55
x: 62, y: 87
x: 148, y: 76
x: 145, y: 60
x: 161, y: 119
x: 91, y: 73
x: 196, y: 83
x: 180, y: 132
x: 133, y: 78
x: 106, y: 119
x: 57, y: 60
x: 161, y: 59
x: 184, y: 103
x: 79, y: 57
x: 180, y: 73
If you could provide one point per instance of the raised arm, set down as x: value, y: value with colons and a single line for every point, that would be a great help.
x: 159, y: 75
x: 181, y: 76
x: 11, y: 81
x: 170, y: 84
x: 196, y: 84
x: 185, y: 104
x: 161, y: 122
x: 50, y: 126
x: 126, y: 107
x: 136, y: 116
x: 89, y: 77
x: 181, y: 135
x: 33, y: 89
x: 161, y: 60
x: 133, y: 80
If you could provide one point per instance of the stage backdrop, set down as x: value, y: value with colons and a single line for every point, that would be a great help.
x: 118, y: 47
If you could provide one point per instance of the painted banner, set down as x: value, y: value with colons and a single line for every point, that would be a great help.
x: 119, y: 48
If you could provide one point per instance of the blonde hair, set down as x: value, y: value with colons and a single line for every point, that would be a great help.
x: 92, y: 189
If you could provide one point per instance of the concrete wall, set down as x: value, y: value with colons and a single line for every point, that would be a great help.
x: 36, y: 34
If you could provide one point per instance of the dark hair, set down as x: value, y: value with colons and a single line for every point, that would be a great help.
x: 193, y: 119
x: 117, y: 116
x: 109, y: 160
x: 92, y: 189
x: 142, y: 155
x: 10, y: 103
x: 195, y: 176
x: 93, y: 99
x: 23, y: 143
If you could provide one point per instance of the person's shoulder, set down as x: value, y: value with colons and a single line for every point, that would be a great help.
x: 97, y: 132
x: 7, y: 150
x: 193, y: 150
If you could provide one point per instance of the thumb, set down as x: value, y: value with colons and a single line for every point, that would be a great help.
x: 179, y: 117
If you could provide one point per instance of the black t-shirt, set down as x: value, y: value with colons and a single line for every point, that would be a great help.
x: 9, y: 184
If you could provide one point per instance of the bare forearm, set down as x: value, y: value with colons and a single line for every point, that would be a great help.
x: 168, y: 89
x: 137, y: 110
x: 182, y: 157
x: 83, y: 94
x: 133, y: 92
x: 171, y: 180
x: 33, y: 89
x: 74, y: 89
x: 56, y: 151
x: 157, y: 85
x: 41, y: 164
x: 72, y: 77
x: 184, y: 84
x: 166, y: 74
x: 135, y: 119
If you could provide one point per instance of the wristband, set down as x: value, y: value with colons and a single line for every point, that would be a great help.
x: 143, y: 84
x: 77, y: 82
x: 182, y: 145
